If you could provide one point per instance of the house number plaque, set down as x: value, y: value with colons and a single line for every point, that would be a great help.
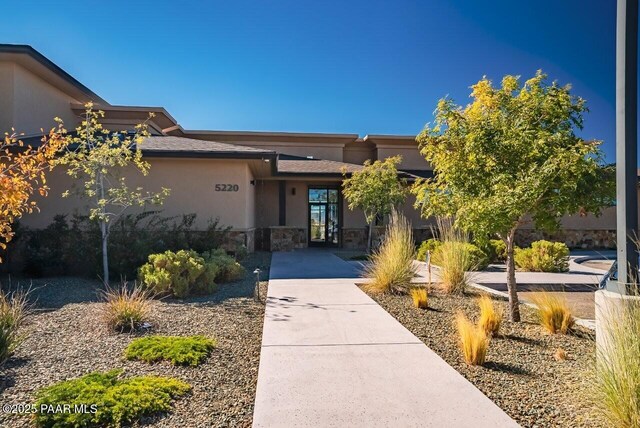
x: 227, y: 187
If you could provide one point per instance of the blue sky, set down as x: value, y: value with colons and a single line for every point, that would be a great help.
x: 332, y: 66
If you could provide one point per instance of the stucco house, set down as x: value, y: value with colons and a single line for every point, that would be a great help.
x: 276, y: 190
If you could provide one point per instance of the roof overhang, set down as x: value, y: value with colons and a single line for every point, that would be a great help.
x: 279, y: 137
x: 137, y: 114
x: 206, y: 155
x: 390, y: 140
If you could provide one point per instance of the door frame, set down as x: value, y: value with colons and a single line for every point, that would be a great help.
x: 326, y: 216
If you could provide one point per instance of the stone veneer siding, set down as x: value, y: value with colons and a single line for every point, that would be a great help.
x: 356, y: 238
x: 236, y: 238
x: 284, y: 238
x: 577, y: 239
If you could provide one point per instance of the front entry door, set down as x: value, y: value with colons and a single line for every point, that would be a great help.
x: 324, y: 218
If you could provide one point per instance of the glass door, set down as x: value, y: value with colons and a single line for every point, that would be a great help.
x: 317, y: 223
x: 324, y: 217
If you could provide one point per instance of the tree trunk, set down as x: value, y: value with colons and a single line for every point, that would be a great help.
x: 104, y: 230
x: 105, y: 255
x: 514, y: 306
x: 370, y: 237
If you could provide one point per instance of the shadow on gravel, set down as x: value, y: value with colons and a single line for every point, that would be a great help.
x: 54, y: 293
x: 507, y: 368
x: 48, y: 294
x: 583, y: 334
x: 526, y: 340
x: 6, y: 372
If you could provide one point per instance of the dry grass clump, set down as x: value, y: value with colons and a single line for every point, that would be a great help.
x: 553, y: 311
x: 560, y: 355
x: 125, y: 308
x: 14, y: 308
x: 420, y: 297
x: 490, y: 316
x: 616, y: 380
x: 454, y: 260
x: 473, y: 341
x: 392, y: 265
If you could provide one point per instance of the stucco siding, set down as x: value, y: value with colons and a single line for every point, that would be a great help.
x: 6, y: 97
x: 192, y: 183
x: 297, y: 205
x: 250, y: 196
x: 358, y: 155
x: 36, y: 103
x: 411, y: 157
x: 266, y: 203
x: 606, y: 221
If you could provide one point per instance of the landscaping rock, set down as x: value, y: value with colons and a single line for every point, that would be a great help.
x: 67, y: 342
x: 521, y: 374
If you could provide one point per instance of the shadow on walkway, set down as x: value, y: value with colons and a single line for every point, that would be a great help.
x: 311, y: 264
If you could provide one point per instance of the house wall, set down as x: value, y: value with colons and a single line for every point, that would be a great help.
x: 6, y: 96
x: 30, y: 103
x: 358, y: 152
x: 411, y: 157
x: 266, y: 203
x: 192, y: 183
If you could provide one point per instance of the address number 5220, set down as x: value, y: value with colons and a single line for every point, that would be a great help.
x: 227, y: 187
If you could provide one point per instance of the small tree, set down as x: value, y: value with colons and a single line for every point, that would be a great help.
x: 376, y: 190
x: 23, y: 172
x: 98, y: 157
x: 509, y: 158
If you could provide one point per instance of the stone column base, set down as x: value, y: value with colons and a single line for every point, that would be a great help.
x: 284, y: 238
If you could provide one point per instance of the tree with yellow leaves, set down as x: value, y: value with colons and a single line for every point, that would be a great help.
x: 98, y: 157
x: 509, y: 158
x: 23, y: 170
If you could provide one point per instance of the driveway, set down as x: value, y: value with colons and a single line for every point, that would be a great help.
x: 331, y: 356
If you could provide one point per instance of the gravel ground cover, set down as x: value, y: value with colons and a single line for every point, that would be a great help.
x: 65, y: 341
x: 521, y: 374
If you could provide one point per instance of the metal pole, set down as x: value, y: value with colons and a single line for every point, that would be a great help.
x: 626, y: 141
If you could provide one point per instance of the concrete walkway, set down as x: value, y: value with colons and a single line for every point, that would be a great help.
x: 331, y: 356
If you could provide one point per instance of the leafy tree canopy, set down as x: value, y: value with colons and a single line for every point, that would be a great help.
x: 375, y: 189
x: 98, y: 159
x: 512, y: 156
x: 23, y: 171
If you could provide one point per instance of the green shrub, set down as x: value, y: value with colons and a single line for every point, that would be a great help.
x: 229, y: 268
x: 496, y: 250
x: 14, y: 308
x: 181, y: 274
x: 392, y: 265
x: 476, y: 259
x: 47, y: 250
x: 543, y: 256
x: 117, y: 401
x: 71, y: 244
x: 428, y: 245
x: 186, y: 351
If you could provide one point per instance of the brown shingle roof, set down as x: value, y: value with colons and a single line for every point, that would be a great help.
x: 169, y: 144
